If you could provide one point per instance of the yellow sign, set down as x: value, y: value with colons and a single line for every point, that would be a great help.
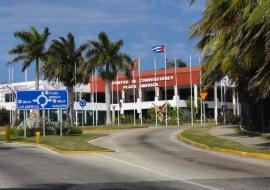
x: 203, y: 95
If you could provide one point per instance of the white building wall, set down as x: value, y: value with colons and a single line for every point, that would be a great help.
x: 4, y: 88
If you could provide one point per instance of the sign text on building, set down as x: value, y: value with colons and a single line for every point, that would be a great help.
x: 145, y: 82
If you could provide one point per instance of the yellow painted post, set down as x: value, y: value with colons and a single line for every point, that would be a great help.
x: 38, y: 138
x: 7, y: 132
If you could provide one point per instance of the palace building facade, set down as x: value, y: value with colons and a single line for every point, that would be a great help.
x: 138, y: 93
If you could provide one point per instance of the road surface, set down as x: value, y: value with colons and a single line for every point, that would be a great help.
x: 150, y: 158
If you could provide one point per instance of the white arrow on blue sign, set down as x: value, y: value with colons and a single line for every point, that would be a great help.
x: 42, y: 99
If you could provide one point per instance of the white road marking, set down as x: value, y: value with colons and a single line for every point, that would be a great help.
x: 157, y: 172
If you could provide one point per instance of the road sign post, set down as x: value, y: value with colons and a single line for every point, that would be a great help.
x: 203, y: 96
x: 43, y: 123
x: 82, y: 104
x: 41, y: 100
x: 61, y: 122
x: 24, y: 124
x: 224, y: 109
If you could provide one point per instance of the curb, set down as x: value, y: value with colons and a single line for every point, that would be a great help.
x: 228, y: 151
x: 61, y: 151
x: 107, y: 129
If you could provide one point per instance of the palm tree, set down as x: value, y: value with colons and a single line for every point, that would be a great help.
x: 260, y: 18
x: 233, y: 37
x: 59, y: 65
x: 235, y: 40
x: 107, y: 58
x: 31, y: 49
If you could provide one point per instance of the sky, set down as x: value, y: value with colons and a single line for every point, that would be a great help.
x: 142, y: 24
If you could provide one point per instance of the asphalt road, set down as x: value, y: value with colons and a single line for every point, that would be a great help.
x: 150, y: 158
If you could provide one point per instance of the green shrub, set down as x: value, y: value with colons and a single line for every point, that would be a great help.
x: 16, y: 131
x: 51, y: 128
x: 127, y: 119
x: 75, y: 130
x: 4, y: 117
x: 230, y: 119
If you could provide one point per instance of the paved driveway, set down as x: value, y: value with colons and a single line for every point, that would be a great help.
x: 150, y: 158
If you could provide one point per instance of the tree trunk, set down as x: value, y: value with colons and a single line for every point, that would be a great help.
x: 37, y: 87
x: 71, y: 106
x: 14, y: 118
x: 108, y: 102
x: 37, y: 75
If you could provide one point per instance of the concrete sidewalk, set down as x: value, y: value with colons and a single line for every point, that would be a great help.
x: 230, y: 133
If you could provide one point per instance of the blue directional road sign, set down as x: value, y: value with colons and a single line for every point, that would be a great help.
x: 82, y: 103
x: 224, y: 108
x: 42, y: 99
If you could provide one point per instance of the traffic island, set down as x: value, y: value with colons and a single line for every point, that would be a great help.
x: 66, y: 144
x: 201, y: 138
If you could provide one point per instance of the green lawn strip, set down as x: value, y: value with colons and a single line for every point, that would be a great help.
x: 201, y: 135
x: 66, y: 143
x: 107, y: 127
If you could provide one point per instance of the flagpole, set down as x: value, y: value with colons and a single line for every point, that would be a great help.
x: 165, y: 62
x: 93, y: 97
x: 12, y: 80
x: 134, y: 111
x: 96, y: 96
x: 75, y: 90
x: 191, y: 101
x: 140, y: 85
x: 12, y: 75
x: 25, y: 76
x: 10, y: 112
x: 25, y: 80
x: 117, y: 94
x: 176, y: 93
x: 155, y: 65
x: 201, y: 90
x: 112, y: 102
x: 9, y: 76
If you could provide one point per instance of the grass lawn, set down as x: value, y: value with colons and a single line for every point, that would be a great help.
x: 67, y: 143
x: 202, y: 136
x: 108, y: 127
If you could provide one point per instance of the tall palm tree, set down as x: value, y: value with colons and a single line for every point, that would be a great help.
x: 107, y: 58
x: 59, y: 65
x: 31, y: 49
x: 235, y: 40
x: 260, y: 18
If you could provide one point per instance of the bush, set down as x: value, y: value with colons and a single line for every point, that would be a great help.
x: 127, y: 119
x: 230, y: 119
x: 75, y: 130
x: 51, y: 128
x: 4, y: 117
x: 233, y: 119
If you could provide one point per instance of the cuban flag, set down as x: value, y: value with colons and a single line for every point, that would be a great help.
x: 158, y: 49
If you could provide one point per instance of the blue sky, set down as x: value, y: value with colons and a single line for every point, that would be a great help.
x: 140, y: 23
